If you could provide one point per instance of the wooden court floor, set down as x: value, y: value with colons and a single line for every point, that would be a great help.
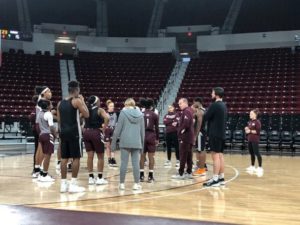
x: 245, y: 199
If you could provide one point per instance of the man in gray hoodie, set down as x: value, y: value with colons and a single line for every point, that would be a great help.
x: 130, y: 130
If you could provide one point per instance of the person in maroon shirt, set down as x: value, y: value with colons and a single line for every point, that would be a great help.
x: 151, y: 139
x: 253, y: 135
x: 186, y: 140
x: 171, y: 122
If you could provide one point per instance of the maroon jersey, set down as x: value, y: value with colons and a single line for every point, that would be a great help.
x: 186, y: 126
x: 170, y: 121
x: 254, y: 125
x: 151, y: 122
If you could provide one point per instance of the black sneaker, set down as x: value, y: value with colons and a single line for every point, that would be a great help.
x: 222, y: 181
x: 150, y: 179
x: 212, y: 183
x: 109, y: 161
x: 142, y: 178
x: 113, y: 162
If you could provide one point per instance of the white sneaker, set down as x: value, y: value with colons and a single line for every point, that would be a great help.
x: 47, y: 178
x: 168, y: 163
x: 188, y: 176
x: 259, y: 171
x: 64, y: 187
x: 251, y: 169
x: 136, y: 187
x: 74, y: 188
x: 91, y: 181
x: 178, y: 177
x: 122, y: 186
x: 101, y: 181
x: 35, y: 175
x: 177, y: 163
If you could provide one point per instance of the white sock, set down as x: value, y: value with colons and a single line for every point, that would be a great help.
x: 141, y: 170
x: 73, y: 180
x: 63, y: 181
x: 216, y: 177
x: 37, y: 166
x: 221, y: 175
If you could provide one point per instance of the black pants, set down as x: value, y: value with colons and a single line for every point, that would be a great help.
x: 172, y: 141
x: 254, y: 151
x: 186, y: 157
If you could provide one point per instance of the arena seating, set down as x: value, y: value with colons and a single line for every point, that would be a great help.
x: 19, y: 74
x: 117, y: 76
x: 263, y: 78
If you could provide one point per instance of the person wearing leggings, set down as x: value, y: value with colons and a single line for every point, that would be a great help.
x: 171, y: 121
x: 253, y: 135
x: 130, y: 130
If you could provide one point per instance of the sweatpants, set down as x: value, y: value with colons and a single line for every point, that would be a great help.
x: 186, y: 157
x: 135, y: 160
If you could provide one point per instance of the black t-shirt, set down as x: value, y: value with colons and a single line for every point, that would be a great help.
x: 216, y: 117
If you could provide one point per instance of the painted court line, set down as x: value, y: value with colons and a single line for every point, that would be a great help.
x: 168, y: 195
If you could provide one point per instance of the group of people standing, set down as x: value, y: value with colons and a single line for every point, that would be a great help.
x: 135, y: 129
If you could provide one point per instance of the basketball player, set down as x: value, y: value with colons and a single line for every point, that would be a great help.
x: 186, y: 140
x: 109, y: 131
x: 94, y: 139
x: 45, y: 93
x: 46, y: 137
x: 70, y: 134
x: 216, y: 117
x: 199, y: 129
x: 151, y: 140
x: 170, y: 121
x: 253, y: 132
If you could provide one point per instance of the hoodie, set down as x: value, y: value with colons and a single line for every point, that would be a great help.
x: 169, y: 119
x: 130, y: 129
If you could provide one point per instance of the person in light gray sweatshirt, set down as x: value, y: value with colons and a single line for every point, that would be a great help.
x: 130, y: 130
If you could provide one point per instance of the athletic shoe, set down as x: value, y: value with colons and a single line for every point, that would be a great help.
x: 64, y: 187
x: 101, y: 181
x: 212, y: 183
x: 142, y: 178
x: 47, y: 178
x: 91, y: 180
x: 74, y: 188
x: 177, y: 163
x: 150, y: 179
x: 188, y: 176
x: 35, y: 174
x: 168, y: 163
x: 113, y: 162
x: 122, y: 186
x: 58, y: 166
x: 222, y: 181
x: 178, y: 177
x: 251, y: 169
x: 200, y: 172
x: 136, y: 187
x: 259, y: 171
x: 109, y: 161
